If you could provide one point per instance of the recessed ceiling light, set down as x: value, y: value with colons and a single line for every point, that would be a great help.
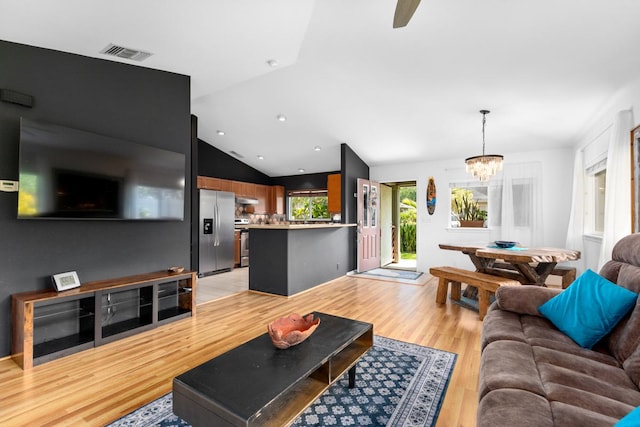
x: 281, y: 117
x: 260, y: 157
x: 300, y: 170
x: 220, y: 132
x: 317, y: 148
x: 272, y: 63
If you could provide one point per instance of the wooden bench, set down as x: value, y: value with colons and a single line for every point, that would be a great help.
x: 486, y: 284
x: 568, y: 274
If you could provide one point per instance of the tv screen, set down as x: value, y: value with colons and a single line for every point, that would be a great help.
x: 68, y: 173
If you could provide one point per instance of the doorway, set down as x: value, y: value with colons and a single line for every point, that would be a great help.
x: 398, y: 219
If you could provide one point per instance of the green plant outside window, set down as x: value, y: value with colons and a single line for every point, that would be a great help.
x: 306, y: 207
x: 468, y: 204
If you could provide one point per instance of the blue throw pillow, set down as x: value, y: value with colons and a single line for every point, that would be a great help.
x: 589, y: 309
x: 632, y: 419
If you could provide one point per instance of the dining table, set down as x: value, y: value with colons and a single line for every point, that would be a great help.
x: 529, y: 266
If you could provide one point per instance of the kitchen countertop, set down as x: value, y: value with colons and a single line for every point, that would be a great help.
x: 291, y: 226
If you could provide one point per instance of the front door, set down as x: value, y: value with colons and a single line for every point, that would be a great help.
x: 368, y: 225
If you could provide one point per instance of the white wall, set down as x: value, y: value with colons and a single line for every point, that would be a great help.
x: 434, y: 229
x: 557, y: 171
x: 626, y: 98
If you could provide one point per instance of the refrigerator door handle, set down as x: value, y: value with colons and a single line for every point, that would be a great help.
x: 215, y: 225
x: 217, y: 240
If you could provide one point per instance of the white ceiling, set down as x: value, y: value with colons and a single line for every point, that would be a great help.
x: 542, y: 67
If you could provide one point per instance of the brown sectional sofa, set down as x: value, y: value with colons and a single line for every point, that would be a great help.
x: 532, y: 374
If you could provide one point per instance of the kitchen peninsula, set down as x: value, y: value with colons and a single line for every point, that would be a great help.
x: 290, y: 258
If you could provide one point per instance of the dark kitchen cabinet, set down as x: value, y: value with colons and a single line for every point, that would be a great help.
x: 334, y: 193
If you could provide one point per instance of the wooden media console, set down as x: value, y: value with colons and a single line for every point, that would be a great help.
x: 47, y: 325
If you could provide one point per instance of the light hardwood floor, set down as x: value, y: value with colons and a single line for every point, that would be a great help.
x: 99, y: 385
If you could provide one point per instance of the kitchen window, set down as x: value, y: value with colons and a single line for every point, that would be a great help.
x: 308, y: 205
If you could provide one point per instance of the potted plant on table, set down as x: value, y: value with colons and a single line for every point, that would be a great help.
x: 469, y: 213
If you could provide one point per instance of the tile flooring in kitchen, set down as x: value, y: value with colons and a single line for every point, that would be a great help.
x: 222, y: 285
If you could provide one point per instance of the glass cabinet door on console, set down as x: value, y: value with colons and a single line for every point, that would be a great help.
x: 62, y: 327
x: 124, y: 311
x: 174, y: 299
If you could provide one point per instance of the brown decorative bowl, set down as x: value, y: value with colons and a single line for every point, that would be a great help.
x: 291, y: 330
x: 175, y: 269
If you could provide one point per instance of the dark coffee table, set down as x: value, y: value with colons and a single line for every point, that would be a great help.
x: 258, y: 384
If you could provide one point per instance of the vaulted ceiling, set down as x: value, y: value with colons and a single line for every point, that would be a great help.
x: 343, y: 74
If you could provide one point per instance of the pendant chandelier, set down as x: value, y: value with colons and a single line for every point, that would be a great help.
x: 485, y: 166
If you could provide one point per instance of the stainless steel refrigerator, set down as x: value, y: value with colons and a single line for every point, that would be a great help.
x: 216, y: 242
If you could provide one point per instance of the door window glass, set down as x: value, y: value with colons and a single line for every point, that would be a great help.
x: 365, y: 205
x: 373, y: 202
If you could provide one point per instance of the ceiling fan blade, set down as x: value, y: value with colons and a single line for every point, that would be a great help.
x: 404, y: 12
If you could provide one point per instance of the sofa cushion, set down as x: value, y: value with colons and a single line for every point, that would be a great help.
x: 501, y: 325
x: 523, y: 299
x: 589, y: 309
x: 540, y: 327
x: 626, y: 250
x: 571, y: 348
x: 508, y: 364
x: 512, y: 407
x: 586, y: 400
x: 588, y: 363
x: 624, y: 270
x: 556, y: 376
x: 625, y: 337
x: 565, y: 415
x: 632, y: 367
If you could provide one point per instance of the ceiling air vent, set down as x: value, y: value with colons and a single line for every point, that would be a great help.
x: 238, y: 155
x: 125, y: 52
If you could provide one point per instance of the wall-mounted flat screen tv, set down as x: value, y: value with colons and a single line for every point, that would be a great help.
x: 67, y: 173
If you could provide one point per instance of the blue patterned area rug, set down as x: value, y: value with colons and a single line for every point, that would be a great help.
x: 397, y: 384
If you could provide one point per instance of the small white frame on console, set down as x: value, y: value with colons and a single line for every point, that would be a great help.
x: 65, y: 281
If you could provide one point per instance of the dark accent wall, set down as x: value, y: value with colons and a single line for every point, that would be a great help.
x: 311, y: 181
x: 134, y: 103
x: 352, y: 168
x: 195, y: 200
x: 216, y: 163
